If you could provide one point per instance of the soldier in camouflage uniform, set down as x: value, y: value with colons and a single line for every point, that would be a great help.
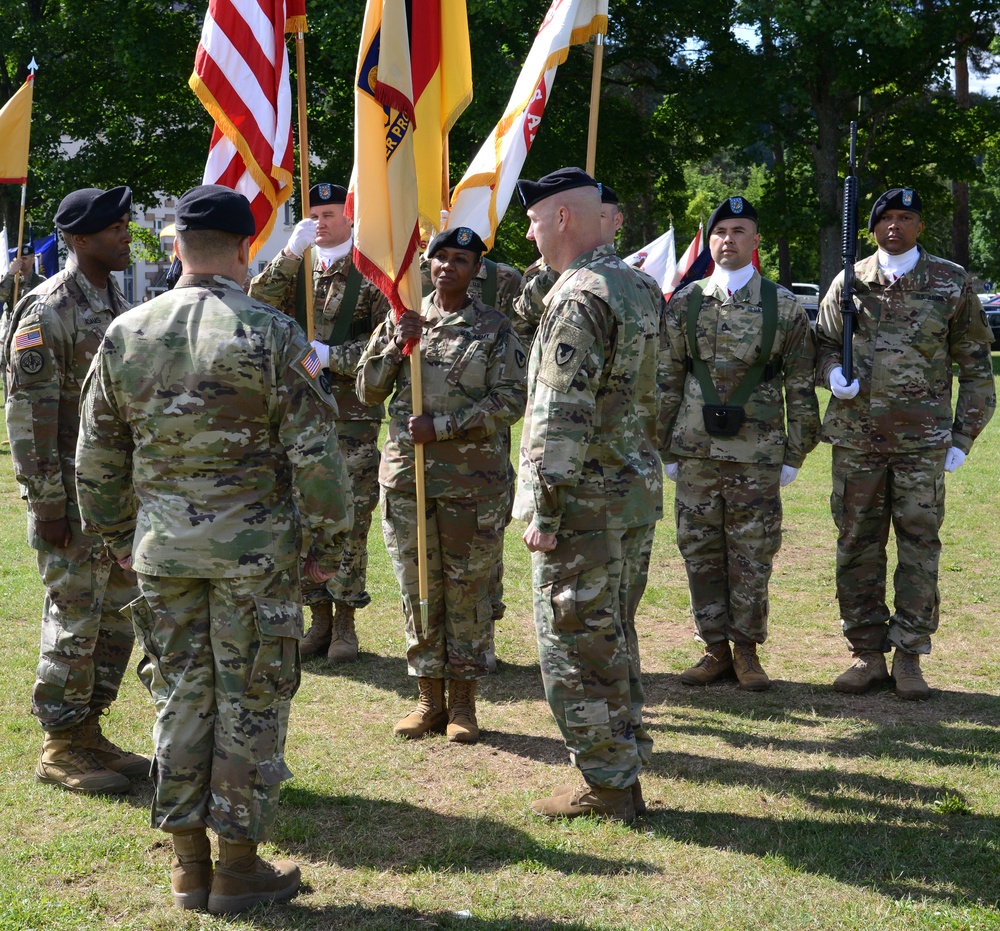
x: 590, y: 483
x: 339, y: 342
x: 86, y: 640
x: 895, y: 431
x: 22, y: 272
x: 208, y: 461
x: 472, y: 367
x: 727, y: 504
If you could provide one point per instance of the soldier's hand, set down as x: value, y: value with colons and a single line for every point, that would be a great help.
x: 409, y: 326
x: 839, y: 386
x: 303, y: 235
x: 953, y: 459
x: 312, y: 571
x: 125, y: 562
x: 422, y: 429
x: 54, y: 532
x: 538, y: 542
x: 788, y: 475
x: 323, y: 351
x: 671, y: 469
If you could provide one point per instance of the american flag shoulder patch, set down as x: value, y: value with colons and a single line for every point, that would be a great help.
x: 29, y: 338
x: 311, y: 364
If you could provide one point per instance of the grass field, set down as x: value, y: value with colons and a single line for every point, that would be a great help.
x: 795, y: 808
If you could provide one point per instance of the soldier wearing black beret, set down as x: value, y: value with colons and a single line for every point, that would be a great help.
x: 896, y: 429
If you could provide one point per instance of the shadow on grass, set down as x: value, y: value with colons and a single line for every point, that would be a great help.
x: 949, y: 858
x: 358, y: 832
x: 297, y: 917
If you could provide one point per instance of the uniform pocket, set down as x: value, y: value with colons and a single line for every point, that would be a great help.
x: 274, y: 675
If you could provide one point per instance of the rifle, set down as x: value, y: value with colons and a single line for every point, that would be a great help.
x: 849, y: 250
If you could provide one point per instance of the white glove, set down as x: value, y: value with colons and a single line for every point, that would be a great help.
x: 839, y: 386
x: 788, y: 475
x: 953, y: 459
x: 444, y: 219
x: 303, y: 235
x: 671, y: 469
x: 323, y: 351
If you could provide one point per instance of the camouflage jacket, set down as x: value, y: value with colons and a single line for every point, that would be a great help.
x: 54, y: 334
x: 472, y: 367
x: 208, y: 403
x: 529, y: 305
x: 907, y: 335
x: 277, y: 285
x: 508, y: 287
x: 7, y: 288
x: 588, y: 453
x: 782, y: 414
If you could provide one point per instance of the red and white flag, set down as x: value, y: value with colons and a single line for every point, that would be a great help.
x: 483, y: 195
x: 686, y: 261
x: 241, y: 77
x: 657, y: 259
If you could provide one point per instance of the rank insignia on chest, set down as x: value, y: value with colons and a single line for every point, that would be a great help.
x: 28, y: 338
x: 312, y: 364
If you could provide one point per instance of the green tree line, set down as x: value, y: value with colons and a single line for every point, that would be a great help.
x: 700, y: 99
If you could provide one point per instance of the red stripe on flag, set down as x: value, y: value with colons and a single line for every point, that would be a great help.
x: 425, y: 43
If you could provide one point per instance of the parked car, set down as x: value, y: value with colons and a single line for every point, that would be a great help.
x: 808, y: 295
x: 992, y: 308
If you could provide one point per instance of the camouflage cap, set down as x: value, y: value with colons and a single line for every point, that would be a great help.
x: 91, y: 210
x: 897, y: 198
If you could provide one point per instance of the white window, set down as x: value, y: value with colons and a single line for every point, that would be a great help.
x: 128, y: 284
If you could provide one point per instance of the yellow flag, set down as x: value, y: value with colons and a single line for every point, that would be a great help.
x: 15, y: 130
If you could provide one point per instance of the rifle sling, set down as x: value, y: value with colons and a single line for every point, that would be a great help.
x: 345, y: 313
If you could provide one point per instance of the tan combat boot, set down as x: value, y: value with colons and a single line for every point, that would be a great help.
x: 638, y: 802
x: 344, y: 644
x: 748, y: 669
x: 588, y: 801
x: 462, y: 725
x: 867, y: 671
x: 317, y: 638
x: 63, y: 764
x: 716, y: 662
x: 191, y: 871
x: 89, y: 737
x: 909, y: 679
x: 242, y: 879
x: 430, y: 713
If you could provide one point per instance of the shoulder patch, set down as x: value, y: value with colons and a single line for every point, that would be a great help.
x: 563, y: 354
x: 28, y: 338
x: 31, y: 362
x: 311, y: 363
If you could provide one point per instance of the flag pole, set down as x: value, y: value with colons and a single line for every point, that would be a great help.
x: 307, y: 264
x: 595, y: 102
x: 20, y: 241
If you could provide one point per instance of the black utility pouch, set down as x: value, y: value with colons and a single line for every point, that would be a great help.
x: 722, y: 419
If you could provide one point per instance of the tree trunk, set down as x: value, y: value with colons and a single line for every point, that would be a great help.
x: 959, y: 189
x: 826, y: 154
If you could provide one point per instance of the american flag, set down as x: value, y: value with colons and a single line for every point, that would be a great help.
x: 241, y: 77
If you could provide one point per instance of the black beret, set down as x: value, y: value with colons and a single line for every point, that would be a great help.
x: 608, y: 195
x: 91, y: 210
x: 327, y: 194
x: 565, y: 179
x: 731, y: 208
x: 27, y: 249
x: 214, y: 207
x: 459, y: 237
x: 897, y: 198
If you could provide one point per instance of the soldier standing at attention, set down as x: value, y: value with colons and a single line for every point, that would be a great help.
x: 209, y: 405
x: 23, y: 268
x: 895, y: 431
x: 590, y: 483
x: 743, y: 338
x: 472, y: 367
x: 86, y: 643
x: 347, y: 309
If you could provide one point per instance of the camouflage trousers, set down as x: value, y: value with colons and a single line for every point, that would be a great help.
x: 728, y: 531
x: 463, y: 538
x: 222, y: 665
x: 871, y: 492
x: 359, y: 446
x: 86, y: 639
x: 584, y: 590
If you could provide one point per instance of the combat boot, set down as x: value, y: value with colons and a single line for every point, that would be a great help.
x: 430, y: 713
x: 63, y: 764
x: 638, y: 802
x: 716, y: 662
x: 344, y: 644
x: 588, y: 801
x: 90, y: 738
x: 242, y: 879
x: 462, y: 725
x: 868, y: 670
x: 317, y: 638
x: 191, y: 871
x: 748, y: 669
x: 909, y: 679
